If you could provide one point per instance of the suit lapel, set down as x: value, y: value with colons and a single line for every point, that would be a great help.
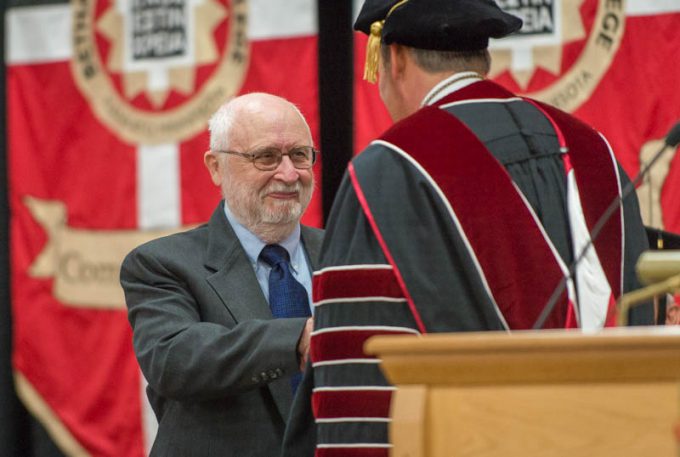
x: 234, y: 279
x: 235, y: 282
x: 311, y: 240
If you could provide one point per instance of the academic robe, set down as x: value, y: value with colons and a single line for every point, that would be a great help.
x: 455, y: 220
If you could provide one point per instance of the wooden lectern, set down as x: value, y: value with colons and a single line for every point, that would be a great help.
x: 547, y: 394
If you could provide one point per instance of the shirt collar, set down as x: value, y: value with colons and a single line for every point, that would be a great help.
x: 253, y: 245
x: 449, y: 85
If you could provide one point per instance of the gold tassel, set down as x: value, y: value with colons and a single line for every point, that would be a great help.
x: 373, y: 52
x: 373, y: 46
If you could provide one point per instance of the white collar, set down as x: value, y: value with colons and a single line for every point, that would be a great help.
x: 449, y: 85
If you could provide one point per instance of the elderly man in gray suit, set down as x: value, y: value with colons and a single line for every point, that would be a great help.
x: 221, y: 313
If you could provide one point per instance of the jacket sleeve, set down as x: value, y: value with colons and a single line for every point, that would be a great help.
x: 299, y: 439
x: 182, y: 355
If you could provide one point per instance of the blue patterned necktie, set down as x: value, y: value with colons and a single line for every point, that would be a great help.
x: 287, y: 297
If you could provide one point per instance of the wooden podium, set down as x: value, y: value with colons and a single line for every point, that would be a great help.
x: 547, y: 394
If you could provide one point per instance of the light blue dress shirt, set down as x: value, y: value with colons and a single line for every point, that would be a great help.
x: 299, y: 262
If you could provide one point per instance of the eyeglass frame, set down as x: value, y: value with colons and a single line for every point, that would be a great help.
x: 251, y: 156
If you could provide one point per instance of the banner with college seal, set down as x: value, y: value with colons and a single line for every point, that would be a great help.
x: 108, y: 102
x: 612, y: 63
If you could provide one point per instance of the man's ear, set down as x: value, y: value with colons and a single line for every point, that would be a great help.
x: 398, y: 59
x: 213, y: 166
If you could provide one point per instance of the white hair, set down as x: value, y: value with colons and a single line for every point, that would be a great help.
x: 223, y: 119
x: 219, y: 126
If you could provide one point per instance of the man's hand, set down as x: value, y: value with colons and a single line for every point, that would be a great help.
x: 303, y: 344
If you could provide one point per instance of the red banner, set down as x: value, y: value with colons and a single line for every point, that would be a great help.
x: 108, y: 103
x: 107, y: 108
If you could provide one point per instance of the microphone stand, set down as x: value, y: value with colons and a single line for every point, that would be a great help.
x: 672, y: 140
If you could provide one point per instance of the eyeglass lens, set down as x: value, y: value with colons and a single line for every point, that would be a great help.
x: 302, y: 157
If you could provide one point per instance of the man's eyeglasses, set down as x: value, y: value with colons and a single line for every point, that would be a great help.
x: 268, y: 159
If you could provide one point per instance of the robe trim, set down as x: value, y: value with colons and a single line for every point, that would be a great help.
x: 367, y: 299
x: 581, y: 313
x: 591, y: 165
x: 572, y: 319
x: 620, y: 193
x: 519, y: 302
x: 348, y: 344
x: 354, y: 388
x: 562, y: 143
x: 388, y: 255
x: 378, y: 266
x: 592, y: 169
x: 578, y: 136
x: 548, y: 241
x: 366, y: 282
x: 362, y: 403
x: 479, y: 100
x: 454, y: 218
x: 365, y: 328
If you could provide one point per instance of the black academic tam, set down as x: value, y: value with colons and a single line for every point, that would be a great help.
x: 444, y: 25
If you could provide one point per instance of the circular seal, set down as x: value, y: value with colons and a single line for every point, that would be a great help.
x: 154, y: 71
x: 563, y: 50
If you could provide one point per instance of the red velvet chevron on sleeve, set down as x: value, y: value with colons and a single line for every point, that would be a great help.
x: 351, y: 398
x: 356, y: 281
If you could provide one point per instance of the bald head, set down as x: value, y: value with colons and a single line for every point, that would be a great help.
x: 247, y: 114
x: 270, y: 201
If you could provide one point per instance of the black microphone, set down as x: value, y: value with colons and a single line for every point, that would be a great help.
x: 673, y: 137
x: 672, y: 140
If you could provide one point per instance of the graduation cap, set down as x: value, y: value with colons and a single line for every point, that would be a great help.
x: 443, y: 25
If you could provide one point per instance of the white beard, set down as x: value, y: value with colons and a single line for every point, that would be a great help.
x: 261, y: 214
x: 280, y: 211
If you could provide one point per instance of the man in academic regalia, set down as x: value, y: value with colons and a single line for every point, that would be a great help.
x: 464, y: 216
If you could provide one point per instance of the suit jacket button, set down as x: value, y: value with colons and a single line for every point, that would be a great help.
x: 278, y: 372
x: 272, y: 374
x: 264, y: 376
x: 255, y: 379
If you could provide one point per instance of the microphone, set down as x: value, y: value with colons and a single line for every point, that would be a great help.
x: 673, y: 137
x: 671, y: 141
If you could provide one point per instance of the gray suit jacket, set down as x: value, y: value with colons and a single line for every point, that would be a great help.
x: 217, y: 363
